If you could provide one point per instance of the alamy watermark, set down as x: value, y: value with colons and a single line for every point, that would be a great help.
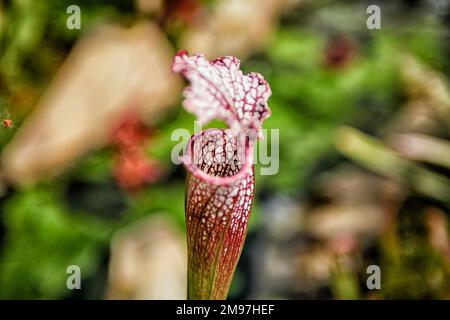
x: 267, y: 156
x: 74, y: 19
x: 374, y: 19
x: 374, y: 280
x: 74, y: 280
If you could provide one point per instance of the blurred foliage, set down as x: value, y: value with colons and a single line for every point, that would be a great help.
x: 43, y: 238
x: 311, y: 101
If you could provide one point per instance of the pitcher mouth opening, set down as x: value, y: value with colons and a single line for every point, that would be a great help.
x: 219, y: 156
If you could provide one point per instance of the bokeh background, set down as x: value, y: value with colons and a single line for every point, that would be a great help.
x: 364, y: 151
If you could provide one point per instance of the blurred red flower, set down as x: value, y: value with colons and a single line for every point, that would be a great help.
x: 7, y: 123
x: 133, y: 168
